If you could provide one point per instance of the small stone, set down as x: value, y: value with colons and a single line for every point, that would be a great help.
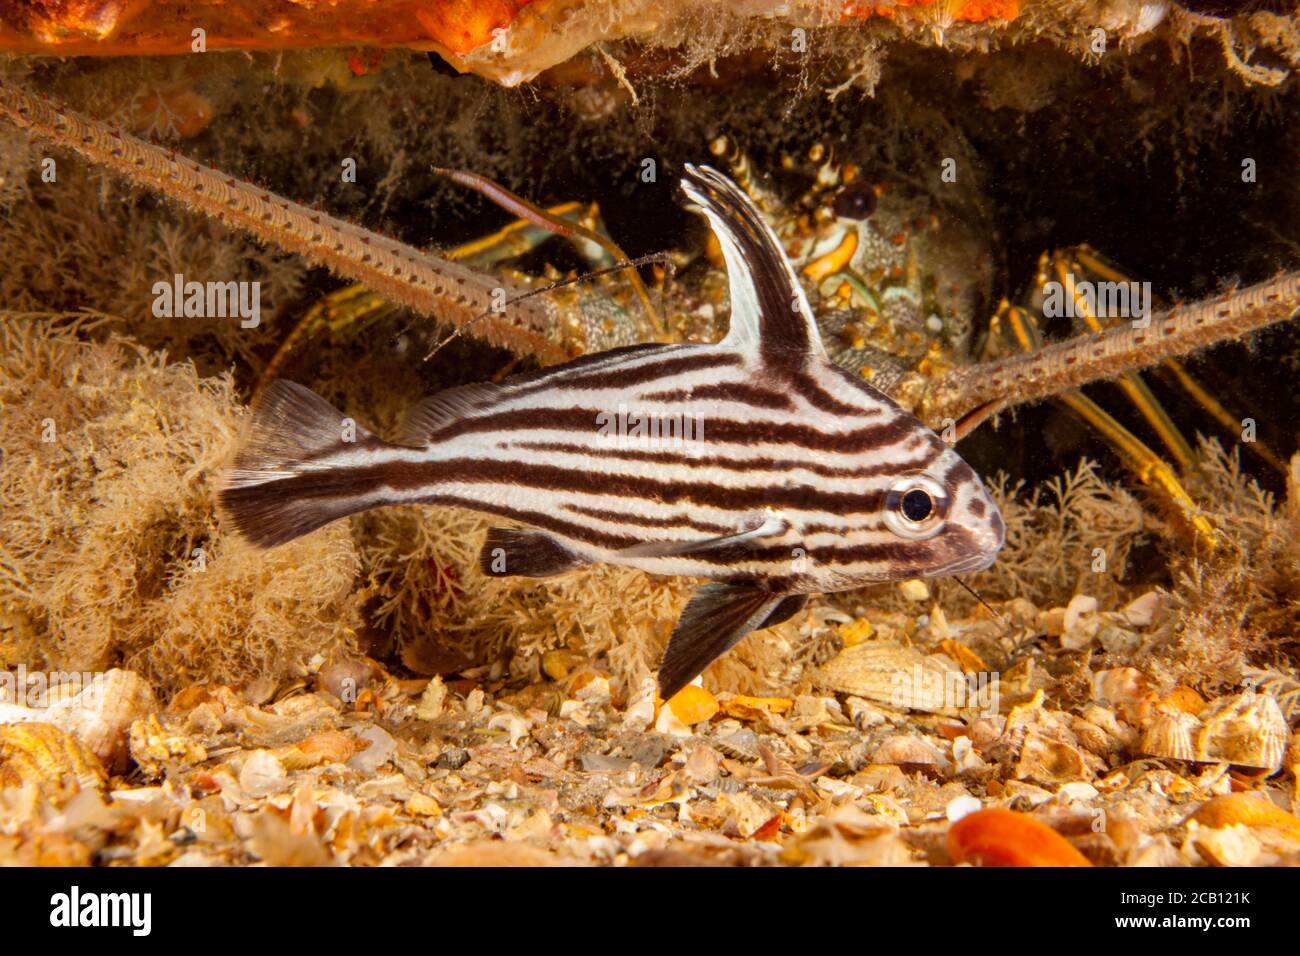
x: 962, y: 806
x: 453, y: 758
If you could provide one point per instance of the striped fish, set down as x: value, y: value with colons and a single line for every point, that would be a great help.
x: 755, y: 463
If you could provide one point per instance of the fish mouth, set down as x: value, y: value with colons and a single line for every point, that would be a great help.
x: 976, y: 562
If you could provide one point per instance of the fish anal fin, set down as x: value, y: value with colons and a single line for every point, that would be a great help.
x: 715, y: 619
x: 523, y: 552
x: 431, y: 414
x: 787, y: 609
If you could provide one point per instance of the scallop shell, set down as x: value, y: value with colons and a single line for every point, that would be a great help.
x: 1172, y: 733
x: 900, y: 677
x: 1246, y: 729
x: 54, y: 760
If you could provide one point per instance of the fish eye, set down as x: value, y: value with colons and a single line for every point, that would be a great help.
x: 915, y: 507
x: 855, y: 201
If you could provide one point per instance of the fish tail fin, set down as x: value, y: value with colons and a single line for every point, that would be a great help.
x: 292, y: 475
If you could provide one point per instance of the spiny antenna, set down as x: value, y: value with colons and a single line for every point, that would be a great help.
x: 1037, y: 375
x: 401, y: 273
x: 519, y: 206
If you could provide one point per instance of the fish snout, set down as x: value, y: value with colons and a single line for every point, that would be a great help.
x: 987, y: 529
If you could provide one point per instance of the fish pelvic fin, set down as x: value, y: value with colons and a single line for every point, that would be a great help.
x: 769, y: 312
x: 520, y: 552
x: 714, y: 621
x: 303, y: 465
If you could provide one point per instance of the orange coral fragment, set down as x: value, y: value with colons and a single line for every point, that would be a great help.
x: 466, y: 25
x: 1003, y: 838
x: 972, y: 11
x: 152, y: 27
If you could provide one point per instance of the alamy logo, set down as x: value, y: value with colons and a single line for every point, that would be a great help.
x: 928, y: 690
x: 208, y: 300
x: 1103, y: 300
x: 74, y: 909
x: 632, y: 429
x: 39, y: 689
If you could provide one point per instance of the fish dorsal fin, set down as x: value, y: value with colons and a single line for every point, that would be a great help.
x: 434, y: 413
x: 769, y: 312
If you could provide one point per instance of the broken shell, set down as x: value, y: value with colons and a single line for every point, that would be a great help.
x: 855, y: 632
x: 914, y: 589
x: 904, y: 750
x: 963, y: 657
x: 54, y: 760
x: 346, y: 678
x: 330, y: 746
x: 1232, y: 846
x: 152, y: 747
x: 1127, y: 690
x: 1185, y: 699
x: 693, y: 704
x: 1243, y: 808
x: 423, y: 805
x: 102, y: 713
x: 1081, y: 622
x: 1050, y: 762
x: 1004, y: 838
x: 1171, y: 733
x: 1247, y: 730
x: 262, y: 774
x: 1143, y: 611
x: 752, y: 708
x: 432, y: 700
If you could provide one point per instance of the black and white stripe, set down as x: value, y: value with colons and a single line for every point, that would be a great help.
x: 784, y: 492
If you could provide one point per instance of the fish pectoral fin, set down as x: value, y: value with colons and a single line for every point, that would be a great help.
x: 434, y: 413
x: 769, y: 311
x: 522, y: 552
x: 714, y: 621
x: 768, y: 527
